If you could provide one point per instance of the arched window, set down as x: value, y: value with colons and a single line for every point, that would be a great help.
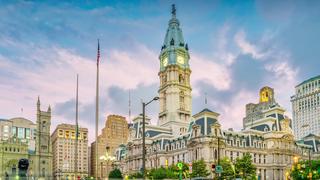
x: 164, y: 78
x: 181, y: 79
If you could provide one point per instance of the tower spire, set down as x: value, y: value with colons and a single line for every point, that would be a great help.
x: 38, y: 103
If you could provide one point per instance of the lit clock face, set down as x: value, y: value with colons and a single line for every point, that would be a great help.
x: 165, y: 61
x: 180, y: 59
x: 264, y: 96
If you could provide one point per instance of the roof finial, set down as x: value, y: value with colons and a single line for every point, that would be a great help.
x: 173, y: 10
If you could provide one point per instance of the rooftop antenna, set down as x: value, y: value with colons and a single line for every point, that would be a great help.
x: 205, y: 99
x: 77, y: 129
x: 129, y: 106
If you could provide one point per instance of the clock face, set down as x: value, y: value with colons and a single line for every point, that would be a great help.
x: 180, y: 59
x: 165, y: 61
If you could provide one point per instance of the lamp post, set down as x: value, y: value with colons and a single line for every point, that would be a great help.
x: 308, y: 126
x: 143, y: 135
x: 155, y: 151
x: 107, y: 158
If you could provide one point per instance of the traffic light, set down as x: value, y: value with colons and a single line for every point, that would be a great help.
x: 213, y: 167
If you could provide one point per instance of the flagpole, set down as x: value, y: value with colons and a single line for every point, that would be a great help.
x: 129, y: 107
x: 97, y: 108
x: 77, y: 129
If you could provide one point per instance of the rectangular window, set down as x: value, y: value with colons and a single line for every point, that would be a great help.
x: 14, y: 131
x: 28, y: 135
x: 20, y: 133
x: 6, y: 129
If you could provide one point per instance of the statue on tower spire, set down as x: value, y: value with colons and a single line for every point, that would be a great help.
x: 173, y: 10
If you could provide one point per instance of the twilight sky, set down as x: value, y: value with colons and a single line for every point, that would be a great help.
x: 236, y: 47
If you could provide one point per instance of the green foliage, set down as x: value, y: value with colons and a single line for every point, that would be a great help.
x: 160, y: 173
x: 228, y: 169
x: 172, y: 172
x: 244, y: 167
x: 302, y: 170
x: 116, y: 173
x: 199, y: 169
x: 136, y: 175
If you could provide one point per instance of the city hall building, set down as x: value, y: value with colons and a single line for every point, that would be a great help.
x: 180, y: 136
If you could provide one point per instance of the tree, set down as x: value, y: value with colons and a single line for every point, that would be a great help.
x: 302, y: 170
x: 116, y: 173
x: 199, y: 169
x: 228, y: 169
x: 244, y: 167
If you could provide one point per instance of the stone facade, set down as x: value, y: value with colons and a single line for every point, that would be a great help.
x: 64, y: 148
x: 21, y: 138
x: 179, y: 137
x: 113, y: 134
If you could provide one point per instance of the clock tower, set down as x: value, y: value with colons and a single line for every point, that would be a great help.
x: 174, y: 75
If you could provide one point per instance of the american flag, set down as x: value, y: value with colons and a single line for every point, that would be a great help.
x: 98, y: 55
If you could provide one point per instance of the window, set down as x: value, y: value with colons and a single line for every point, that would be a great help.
x: 231, y: 155
x: 164, y: 101
x: 14, y: 131
x: 259, y: 158
x: 181, y: 79
x: 182, y: 100
x: 43, y: 172
x: 28, y: 134
x: 6, y: 129
x: 20, y: 133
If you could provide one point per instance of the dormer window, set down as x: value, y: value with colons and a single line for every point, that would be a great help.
x: 172, y: 42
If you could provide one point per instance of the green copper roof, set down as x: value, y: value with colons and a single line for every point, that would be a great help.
x: 309, y: 80
x: 174, y: 35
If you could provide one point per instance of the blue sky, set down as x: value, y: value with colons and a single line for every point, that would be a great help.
x: 236, y: 47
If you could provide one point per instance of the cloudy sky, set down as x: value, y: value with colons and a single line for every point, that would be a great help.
x: 236, y: 48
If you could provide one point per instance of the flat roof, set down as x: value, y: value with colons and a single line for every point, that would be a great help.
x: 309, y: 80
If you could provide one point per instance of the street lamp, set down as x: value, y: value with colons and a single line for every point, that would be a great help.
x: 308, y: 126
x: 143, y: 134
x: 108, y: 159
